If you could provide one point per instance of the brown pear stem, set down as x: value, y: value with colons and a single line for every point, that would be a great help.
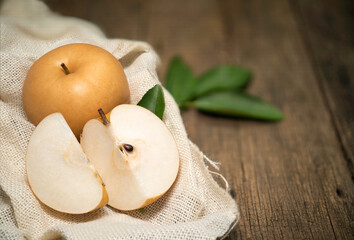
x: 103, y: 116
x: 66, y: 70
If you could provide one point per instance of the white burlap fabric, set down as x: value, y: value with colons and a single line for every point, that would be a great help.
x: 194, y: 208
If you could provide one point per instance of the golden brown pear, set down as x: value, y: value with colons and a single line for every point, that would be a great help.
x: 75, y: 80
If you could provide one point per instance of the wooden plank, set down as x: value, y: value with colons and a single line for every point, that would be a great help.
x: 327, y: 31
x: 290, y: 179
x: 302, y: 174
x: 299, y: 164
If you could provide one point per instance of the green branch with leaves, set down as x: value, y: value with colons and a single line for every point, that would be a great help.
x: 220, y: 91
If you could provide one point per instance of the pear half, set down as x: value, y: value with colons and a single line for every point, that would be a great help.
x: 135, y: 155
x: 58, y: 171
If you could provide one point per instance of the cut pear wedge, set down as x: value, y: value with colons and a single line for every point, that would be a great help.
x: 135, y: 155
x: 58, y: 171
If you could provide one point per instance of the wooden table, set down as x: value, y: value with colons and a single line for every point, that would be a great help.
x: 292, y: 179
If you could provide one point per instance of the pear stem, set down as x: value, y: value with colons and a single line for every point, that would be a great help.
x: 66, y: 70
x: 103, y: 116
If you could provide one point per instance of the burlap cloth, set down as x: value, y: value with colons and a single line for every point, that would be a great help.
x: 194, y: 208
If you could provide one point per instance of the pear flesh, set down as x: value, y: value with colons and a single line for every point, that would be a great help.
x: 135, y: 155
x: 128, y: 163
x: 58, y: 171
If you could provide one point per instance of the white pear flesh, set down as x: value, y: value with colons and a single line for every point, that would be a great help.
x: 58, y: 171
x: 137, y: 178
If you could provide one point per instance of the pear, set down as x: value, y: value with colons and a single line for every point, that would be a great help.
x: 59, y: 172
x: 74, y: 79
x: 128, y: 161
x: 134, y: 153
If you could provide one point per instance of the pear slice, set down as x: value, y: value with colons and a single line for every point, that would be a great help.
x: 58, y: 171
x: 135, y: 155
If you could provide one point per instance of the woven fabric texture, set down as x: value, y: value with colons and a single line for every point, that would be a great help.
x: 196, y: 207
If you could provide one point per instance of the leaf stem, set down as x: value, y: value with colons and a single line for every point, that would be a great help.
x: 187, y: 104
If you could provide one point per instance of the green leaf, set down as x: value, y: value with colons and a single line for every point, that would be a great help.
x: 237, y: 104
x: 154, y: 100
x: 180, y: 80
x: 224, y: 77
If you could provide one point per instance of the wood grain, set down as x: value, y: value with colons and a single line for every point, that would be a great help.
x: 328, y: 34
x: 293, y: 179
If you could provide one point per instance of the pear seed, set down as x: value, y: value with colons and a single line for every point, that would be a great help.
x: 128, y: 147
